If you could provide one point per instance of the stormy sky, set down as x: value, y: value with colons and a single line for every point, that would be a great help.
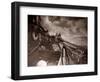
x: 72, y: 29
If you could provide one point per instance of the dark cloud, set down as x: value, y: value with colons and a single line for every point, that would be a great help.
x: 72, y: 29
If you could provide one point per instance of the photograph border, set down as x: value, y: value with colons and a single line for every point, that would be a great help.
x: 15, y: 39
